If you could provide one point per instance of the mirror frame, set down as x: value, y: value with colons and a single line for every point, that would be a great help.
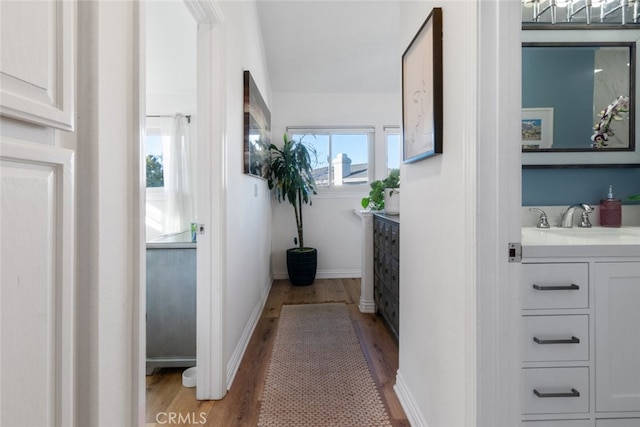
x: 586, y: 35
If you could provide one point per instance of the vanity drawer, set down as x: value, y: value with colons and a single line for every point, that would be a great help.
x: 555, y: 338
x: 557, y: 423
x: 621, y: 422
x: 555, y: 390
x: 555, y: 285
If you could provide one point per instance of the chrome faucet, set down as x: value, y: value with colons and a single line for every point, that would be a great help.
x: 566, y: 221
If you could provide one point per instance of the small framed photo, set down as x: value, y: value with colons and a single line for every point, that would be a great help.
x: 422, y: 113
x: 537, y: 128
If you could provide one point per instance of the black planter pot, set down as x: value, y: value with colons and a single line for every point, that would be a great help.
x: 301, y: 265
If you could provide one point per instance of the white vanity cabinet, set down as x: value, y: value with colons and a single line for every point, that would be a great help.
x: 580, y: 335
x: 617, y: 336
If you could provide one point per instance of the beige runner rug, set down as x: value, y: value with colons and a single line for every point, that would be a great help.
x: 318, y: 375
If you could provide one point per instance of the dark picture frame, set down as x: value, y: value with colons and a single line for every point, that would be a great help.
x: 422, y: 113
x: 257, y: 129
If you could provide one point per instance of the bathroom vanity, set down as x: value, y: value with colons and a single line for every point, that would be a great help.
x: 581, y: 327
x: 171, y: 302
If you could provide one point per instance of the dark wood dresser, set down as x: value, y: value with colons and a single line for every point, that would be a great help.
x: 386, y: 268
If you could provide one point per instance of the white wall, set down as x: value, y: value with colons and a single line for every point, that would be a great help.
x: 434, y: 236
x: 248, y: 217
x: 108, y: 233
x: 459, y: 367
x: 330, y: 224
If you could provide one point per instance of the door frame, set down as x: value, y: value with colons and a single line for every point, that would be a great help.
x: 211, y: 128
x: 210, y: 198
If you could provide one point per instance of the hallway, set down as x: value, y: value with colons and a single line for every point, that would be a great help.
x: 168, y: 403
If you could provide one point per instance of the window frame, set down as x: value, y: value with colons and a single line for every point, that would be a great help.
x: 368, y: 131
x: 388, y: 131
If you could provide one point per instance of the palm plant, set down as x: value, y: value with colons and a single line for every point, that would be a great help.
x: 291, y: 177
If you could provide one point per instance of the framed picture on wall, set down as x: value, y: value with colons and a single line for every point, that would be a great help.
x: 422, y: 91
x: 537, y: 128
x: 257, y: 130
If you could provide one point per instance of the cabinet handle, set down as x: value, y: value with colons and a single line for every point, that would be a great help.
x: 571, y: 287
x: 572, y: 393
x: 572, y: 340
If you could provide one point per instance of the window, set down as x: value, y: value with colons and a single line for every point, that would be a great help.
x: 394, y: 148
x: 153, y: 157
x: 343, y: 154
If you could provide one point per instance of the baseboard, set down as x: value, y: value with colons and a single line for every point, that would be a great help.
x: 324, y: 274
x: 408, y: 403
x: 236, y: 357
x: 366, y: 306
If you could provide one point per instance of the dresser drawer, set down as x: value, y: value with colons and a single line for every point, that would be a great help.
x: 555, y: 390
x: 555, y: 338
x: 555, y: 285
x: 394, y: 240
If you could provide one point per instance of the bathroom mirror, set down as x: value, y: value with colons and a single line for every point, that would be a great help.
x: 569, y: 77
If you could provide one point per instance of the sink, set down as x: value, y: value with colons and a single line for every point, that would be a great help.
x: 594, y: 232
x: 581, y: 236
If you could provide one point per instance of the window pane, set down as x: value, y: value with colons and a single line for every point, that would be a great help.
x: 321, y: 144
x: 343, y: 157
x: 153, y: 154
x: 393, y: 151
x: 350, y: 158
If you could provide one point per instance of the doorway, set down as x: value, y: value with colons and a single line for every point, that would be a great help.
x: 180, y: 40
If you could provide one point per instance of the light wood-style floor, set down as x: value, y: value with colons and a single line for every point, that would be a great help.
x: 166, y: 397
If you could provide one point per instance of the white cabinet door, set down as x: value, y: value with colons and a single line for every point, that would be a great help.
x: 37, y: 61
x: 37, y: 298
x: 617, y: 336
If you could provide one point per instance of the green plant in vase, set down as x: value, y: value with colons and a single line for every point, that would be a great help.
x: 375, y: 200
x: 290, y: 177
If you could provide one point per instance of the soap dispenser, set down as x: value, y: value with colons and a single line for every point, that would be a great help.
x: 610, y: 210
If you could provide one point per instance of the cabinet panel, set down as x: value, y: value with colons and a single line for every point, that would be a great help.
x: 171, y: 307
x: 37, y: 296
x: 555, y: 338
x: 37, y: 67
x: 555, y: 390
x: 555, y: 285
x: 617, y: 335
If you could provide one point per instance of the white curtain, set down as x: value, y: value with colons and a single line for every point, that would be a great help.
x: 177, y: 176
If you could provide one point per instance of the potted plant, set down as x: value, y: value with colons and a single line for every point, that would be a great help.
x: 381, y: 196
x: 291, y: 178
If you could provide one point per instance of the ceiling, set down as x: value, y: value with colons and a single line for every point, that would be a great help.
x: 331, y: 46
x: 325, y: 46
x: 170, y: 48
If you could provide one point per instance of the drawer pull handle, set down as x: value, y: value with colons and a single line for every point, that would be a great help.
x: 572, y: 393
x: 572, y: 340
x: 571, y: 287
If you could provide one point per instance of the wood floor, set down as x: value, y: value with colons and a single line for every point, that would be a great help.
x: 166, y: 397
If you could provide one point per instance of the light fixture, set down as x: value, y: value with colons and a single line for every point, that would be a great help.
x: 547, y: 10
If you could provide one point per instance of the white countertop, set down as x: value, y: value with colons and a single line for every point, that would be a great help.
x: 581, y: 242
x: 172, y: 241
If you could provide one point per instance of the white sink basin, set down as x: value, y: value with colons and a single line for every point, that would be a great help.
x: 581, y: 236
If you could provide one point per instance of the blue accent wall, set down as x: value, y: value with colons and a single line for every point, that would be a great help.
x: 557, y: 77
x: 566, y: 186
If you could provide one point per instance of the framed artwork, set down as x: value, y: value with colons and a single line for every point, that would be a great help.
x: 537, y: 128
x: 257, y: 130
x: 422, y: 91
